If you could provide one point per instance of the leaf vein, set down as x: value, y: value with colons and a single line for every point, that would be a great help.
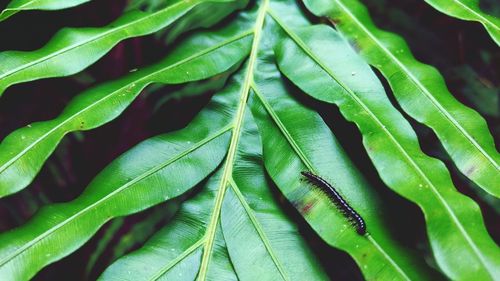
x: 407, y: 157
x: 110, y: 195
x: 259, y: 230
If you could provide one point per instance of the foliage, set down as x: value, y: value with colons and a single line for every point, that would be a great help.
x: 272, y: 66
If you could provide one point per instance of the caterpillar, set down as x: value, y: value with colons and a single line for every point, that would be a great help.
x: 337, y: 200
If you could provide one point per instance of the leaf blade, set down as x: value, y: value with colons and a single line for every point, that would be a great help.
x: 314, y: 206
x: 200, y: 57
x: 178, y: 160
x: 73, y: 49
x: 421, y: 179
x: 262, y: 242
x: 191, y: 227
x: 159, y: 257
x: 469, y: 10
x: 17, y: 6
x: 421, y: 91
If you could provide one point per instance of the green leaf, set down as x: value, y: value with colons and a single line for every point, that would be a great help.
x: 201, y: 56
x: 154, y: 171
x: 174, y: 253
x: 469, y: 10
x: 241, y: 218
x: 233, y: 229
x: 73, y: 49
x: 262, y: 243
x: 250, y: 221
x: 421, y: 91
x: 311, y: 57
x: 296, y: 139
x: 198, y: 226
x: 17, y: 6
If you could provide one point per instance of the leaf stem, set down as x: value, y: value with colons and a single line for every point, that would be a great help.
x: 238, y: 124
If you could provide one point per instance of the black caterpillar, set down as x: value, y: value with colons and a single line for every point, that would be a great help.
x: 337, y: 200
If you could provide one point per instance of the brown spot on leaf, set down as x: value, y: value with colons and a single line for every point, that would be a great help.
x: 306, y: 208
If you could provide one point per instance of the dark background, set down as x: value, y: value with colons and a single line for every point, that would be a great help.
x: 462, y: 51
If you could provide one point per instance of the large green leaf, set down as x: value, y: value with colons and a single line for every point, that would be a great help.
x: 247, y: 222
x: 251, y: 234
x: 311, y: 57
x: 233, y: 229
x: 421, y: 91
x: 17, y: 6
x: 201, y: 56
x: 296, y: 139
x: 262, y: 243
x: 73, y: 49
x: 174, y: 253
x: 469, y: 10
x: 154, y: 171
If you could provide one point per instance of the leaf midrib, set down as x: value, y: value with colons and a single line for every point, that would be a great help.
x: 485, y: 20
x: 283, y: 129
x: 422, y: 88
x: 304, y: 47
x: 133, y: 181
x: 260, y: 231
x: 22, y: 6
x: 70, y: 118
x: 90, y: 40
x: 384, y: 253
x: 308, y: 164
x: 15, y: 10
x: 238, y: 124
